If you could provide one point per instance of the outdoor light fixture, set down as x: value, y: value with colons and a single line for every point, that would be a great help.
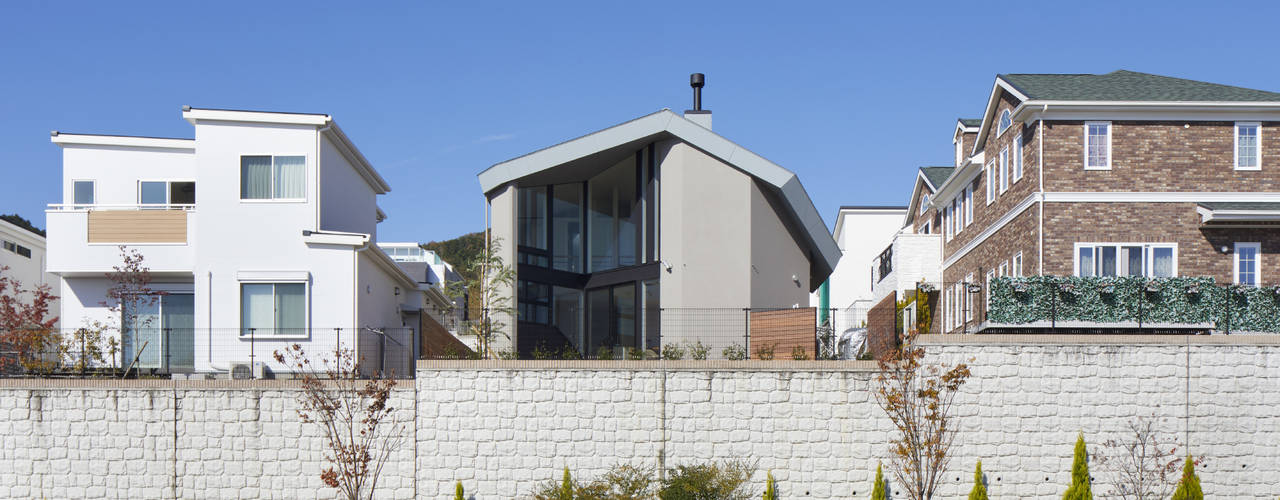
x: 665, y: 265
x: 974, y: 288
x: 397, y: 291
x: 1226, y: 249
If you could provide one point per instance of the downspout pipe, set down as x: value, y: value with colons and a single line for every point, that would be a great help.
x: 1040, y: 221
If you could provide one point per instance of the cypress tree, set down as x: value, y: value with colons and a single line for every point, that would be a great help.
x: 566, y: 486
x: 1189, y: 485
x: 877, y: 493
x: 979, y: 491
x: 1080, y: 487
x: 770, y: 490
x: 457, y: 495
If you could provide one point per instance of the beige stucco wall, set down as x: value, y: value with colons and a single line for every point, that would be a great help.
x: 502, y: 211
x: 779, y: 268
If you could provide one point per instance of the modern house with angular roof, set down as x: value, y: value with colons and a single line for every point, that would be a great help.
x: 653, y: 231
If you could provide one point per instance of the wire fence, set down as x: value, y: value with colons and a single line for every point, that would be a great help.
x: 238, y: 353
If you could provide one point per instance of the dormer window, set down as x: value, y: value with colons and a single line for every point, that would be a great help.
x: 924, y: 203
x: 1006, y: 121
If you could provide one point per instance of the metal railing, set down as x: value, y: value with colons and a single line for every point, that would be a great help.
x: 73, y: 207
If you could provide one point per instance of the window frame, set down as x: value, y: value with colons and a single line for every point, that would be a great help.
x: 1004, y: 170
x: 1235, y: 262
x: 1017, y: 158
x: 946, y: 222
x: 93, y: 192
x: 306, y: 307
x: 991, y: 182
x: 968, y: 205
x: 957, y: 211
x: 1148, y: 260
x: 968, y: 303
x: 991, y: 275
x: 306, y: 186
x: 168, y: 191
x: 1257, y: 147
x: 1001, y: 127
x: 1016, y: 268
x: 1086, y: 145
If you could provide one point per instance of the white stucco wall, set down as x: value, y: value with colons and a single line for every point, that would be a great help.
x: 501, y: 428
x: 347, y: 203
x: 916, y: 258
x: 862, y: 234
x: 30, y: 272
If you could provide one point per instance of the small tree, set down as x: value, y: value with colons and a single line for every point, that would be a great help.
x: 562, y: 491
x: 26, y: 327
x: 979, y: 491
x: 918, y: 399
x: 877, y: 491
x: 1143, y: 466
x: 491, y: 278
x: 352, y: 415
x: 458, y: 493
x: 770, y: 488
x: 709, y: 481
x: 1080, y: 488
x: 129, y: 294
x: 1189, y: 485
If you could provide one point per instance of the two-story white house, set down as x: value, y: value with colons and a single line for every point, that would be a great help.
x: 259, y: 232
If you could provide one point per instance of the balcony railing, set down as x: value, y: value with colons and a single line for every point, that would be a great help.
x: 1128, y: 302
x: 137, y: 223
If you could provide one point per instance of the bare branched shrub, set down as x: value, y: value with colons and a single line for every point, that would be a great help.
x: 353, y: 415
x: 1142, y: 464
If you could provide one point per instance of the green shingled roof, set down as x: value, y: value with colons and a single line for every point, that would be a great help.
x: 1239, y: 205
x: 1130, y: 86
x: 937, y: 175
x: 971, y: 122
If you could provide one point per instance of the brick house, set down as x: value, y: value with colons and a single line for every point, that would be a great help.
x: 1115, y: 174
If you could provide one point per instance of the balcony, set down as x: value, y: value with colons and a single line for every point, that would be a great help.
x: 1146, y: 305
x: 84, y: 238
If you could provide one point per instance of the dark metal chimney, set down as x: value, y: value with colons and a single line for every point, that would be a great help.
x: 697, y: 80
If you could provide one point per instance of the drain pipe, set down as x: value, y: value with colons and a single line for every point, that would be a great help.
x: 1040, y: 222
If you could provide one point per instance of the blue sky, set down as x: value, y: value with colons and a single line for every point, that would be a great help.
x: 851, y: 96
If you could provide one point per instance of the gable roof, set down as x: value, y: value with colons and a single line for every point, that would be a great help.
x: 971, y: 122
x: 665, y: 123
x: 930, y: 177
x: 1123, y: 85
x: 936, y: 175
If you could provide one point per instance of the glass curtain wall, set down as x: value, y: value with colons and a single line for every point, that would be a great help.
x: 566, y: 230
x: 616, y: 217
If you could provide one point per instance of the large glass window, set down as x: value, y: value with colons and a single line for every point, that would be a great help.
x: 652, y: 315
x: 273, y: 308
x: 166, y: 193
x: 566, y: 230
x: 1137, y: 259
x: 273, y: 177
x: 1247, y: 264
x: 612, y: 318
x: 566, y: 313
x: 534, y: 302
x: 1247, y: 149
x: 615, y: 218
x: 531, y: 226
x: 1097, y: 145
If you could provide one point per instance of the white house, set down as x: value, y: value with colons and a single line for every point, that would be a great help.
x: 442, y: 312
x: 261, y: 232
x: 22, y: 256
x: 862, y: 233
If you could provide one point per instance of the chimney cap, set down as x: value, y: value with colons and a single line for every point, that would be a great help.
x: 697, y: 80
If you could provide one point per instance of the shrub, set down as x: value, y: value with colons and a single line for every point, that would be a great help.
x: 770, y: 489
x: 765, y: 351
x: 457, y: 492
x: 1189, y: 485
x: 1080, y: 488
x: 672, y: 351
x: 710, y: 481
x: 877, y: 491
x: 634, y: 354
x: 735, y: 352
x: 799, y: 354
x: 698, y: 351
x: 550, y: 490
x: 979, y: 491
x: 622, y: 482
x: 604, y: 352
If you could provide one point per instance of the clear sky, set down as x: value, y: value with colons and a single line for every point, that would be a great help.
x: 852, y: 96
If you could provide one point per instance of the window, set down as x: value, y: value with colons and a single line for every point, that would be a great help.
x: 166, y: 193
x: 959, y: 152
x: 968, y: 299
x: 1006, y: 121
x: 946, y: 221
x: 273, y: 309
x: 1017, y: 265
x: 1004, y: 170
x: 950, y: 303
x: 1248, y: 264
x: 957, y: 212
x: 1156, y: 260
x: 82, y: 193
x: 16, y: 248
x: 924, y: 202
x: 534, y: 302
x: 968, y: 205
x: 1248, y: 141
x: 1017, y: 158
x: 273, y: 177
x: 1097, y: 145
x: 991, y: 275
x: 531, y: 226
x: 991, y: 182
x: 1004, y: 268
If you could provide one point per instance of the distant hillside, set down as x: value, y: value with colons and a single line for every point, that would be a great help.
x: 461, y: 251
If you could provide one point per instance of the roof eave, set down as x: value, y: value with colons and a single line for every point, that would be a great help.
x: 992, y: 101
x: 356, y: 158
x: 64, y: 140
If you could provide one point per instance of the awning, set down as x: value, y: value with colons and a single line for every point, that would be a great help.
x: 1238, y: 212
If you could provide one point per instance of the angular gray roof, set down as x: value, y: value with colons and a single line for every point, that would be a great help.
x: 937, y: 175
x: 1241, y: 205
x: 971, y: 122
x: 1125, y: 85
x: 665, y: 123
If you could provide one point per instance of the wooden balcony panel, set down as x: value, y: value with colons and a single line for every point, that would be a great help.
x: 137, y: 226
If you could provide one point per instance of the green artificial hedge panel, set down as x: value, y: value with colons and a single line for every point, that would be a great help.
x: 1153, y: 300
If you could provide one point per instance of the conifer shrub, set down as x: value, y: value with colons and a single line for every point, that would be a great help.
x: 1189, y: 485
x: 770, y: 488
x: 1080, y: 488
x: 458, y: 493
x: 979, y: 491
x: 877, y: 491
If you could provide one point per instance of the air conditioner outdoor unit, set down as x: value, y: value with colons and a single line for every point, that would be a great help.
x: 241, y: 370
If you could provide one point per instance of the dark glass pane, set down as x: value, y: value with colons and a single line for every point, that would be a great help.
x: 652, y: 315
x: 532, y: 217
x: 566, y: 228
x: 1133, y: 260
x: 598, y: 318
x: 1107, y: 261
x: 603, y: 255
x: 567, y: 314
x: 624, y: 307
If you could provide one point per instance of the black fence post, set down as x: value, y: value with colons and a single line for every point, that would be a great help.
x: 84, y: 363
x: 251, y: 358
x: 1227, y: 304
x: 746, y: 331
x: 1053, y: 314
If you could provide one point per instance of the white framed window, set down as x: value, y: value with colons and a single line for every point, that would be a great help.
x: 1248, y: 146
x: 991, y: 275
x: 83, y: 192
x: 1017, y: 265
x: 1004, y: 268
x: 1006, y: 121
x: 927, y: 228
x: 265, y: 177
x: 946, y: 222
x: 1247, y: 263
x: 924, y: 202
x: 949, y: 302
x: 1097, y: 145
x: 968, y: 205
x: 1153, y: 260
x: 991, y: 181
x: 968, y: 298
x: 166, y: 192
x: 1017, y: 158
x: 957, y: 212
x: 959, y: 152
x: 273, y: 309
x: 1004, y: 170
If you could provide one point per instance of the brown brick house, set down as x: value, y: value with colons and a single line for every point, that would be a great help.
x: 1115, y: 174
